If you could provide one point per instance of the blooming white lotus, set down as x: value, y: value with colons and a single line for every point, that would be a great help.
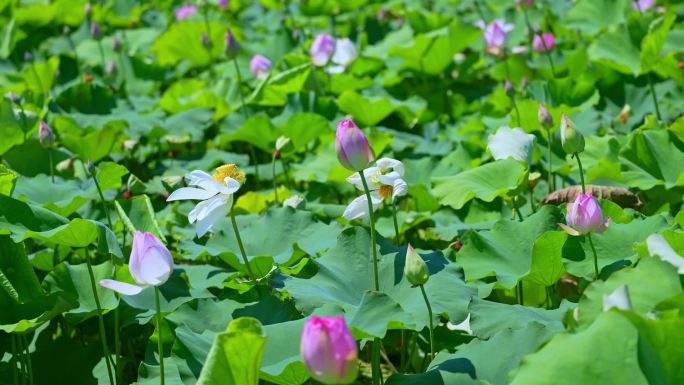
x: 345, y: 54
x: 385, y: 180
x: 215, y: 193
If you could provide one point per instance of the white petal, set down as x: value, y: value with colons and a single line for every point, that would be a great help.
x: 204, y: 208
x: 231, y: 186
x: 121, y: 287
x: 370, y: 173
x: 202, y: 179
x: 400, y: 188
x: 658, y: 246
x: 204, y: 225
x: 618, y: 299
x: 345, y: 52
x: 386, y: 164
x: 154, y: 267
x: 463, y: 326
x: 335, y: 69
x: 184, y: 193
x: 389, y: 178
x: 358, y: 208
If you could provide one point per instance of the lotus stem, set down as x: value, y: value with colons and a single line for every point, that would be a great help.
x: 429, y: 309
x: 160, y: 344
x: 242, y: 247
x: 103, y: 335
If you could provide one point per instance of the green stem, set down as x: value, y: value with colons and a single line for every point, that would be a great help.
x: 160, y: 342
x: 103, y: 335
x: 375, y: 359
x: 593, y: 250
x: 52, y: 172
x: 28, y: 358
x: 581, y: 171
x: 242, y: 247
x: 512, y: 96
x: 102, y: 199
x: 15, y: 371
x: 402, y: 358
x: 548, y: 297
x: 532, y: 205
x: 550, y: 171
x: 654, y: 96
x: 117, y: 346
x: 519, y: 214
x: 22, y: 362
x: 396, y: 225
x: 521, y: 298
x: 530, y: 31
x: 102, y: 55
x: 429, y: 308
x: 275, y: 185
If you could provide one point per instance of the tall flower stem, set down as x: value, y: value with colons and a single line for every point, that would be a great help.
x: 581, y: 171
x: 396, y: 225
x: 512, y: 96
x: 103, y: 335
x: 375, y: 358
x: 242, y: 247
x: 593, y: 250
x: 429, y: 308
x: 550, y: 182
x: 275, y: 184
x: 246, y: 115
x: 654, y: 96
x: 27, y: 355
x: 160, y: 343
x: 102, y: 55
x: 52, y: 168
x: 14, y: 362
x: 117, y: 344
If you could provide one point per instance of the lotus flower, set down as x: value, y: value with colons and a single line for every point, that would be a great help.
x: 543, y: 116
x: 215, y: 193
x: 223, y: 4
x: 185, y: 11
x: 643, y: 5
x: 495, y: 35
x: 231, y: 45
x: 544, y: 42
x: 345, y: 54
x: 260, y: 66
x: 385, y: 180
x: 329, y: 350
x: 150, y: 264
x: 415, y: 268
x: 322, y: 49
x: 584, y: 215
x: 45, y: 135
x: 95, y: 30
x: 352, y: 146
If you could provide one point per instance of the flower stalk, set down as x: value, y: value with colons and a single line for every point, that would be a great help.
x: 103, y: 335
x: 160, y: 344
x: 429, y: 309
x: 242, y: 247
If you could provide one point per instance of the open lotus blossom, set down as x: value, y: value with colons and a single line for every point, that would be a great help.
x: 150, y: 264
x: 643, y: 5
x: 385, y: 180
x: 495, y: 35
x: 260, y: 66
x: 544, y: 42
x: 185, y: 11
x: 584, y: 215
x: 215, y: 193
x: 322, y: 49
x: 329, y: 350
x: 345, y: 54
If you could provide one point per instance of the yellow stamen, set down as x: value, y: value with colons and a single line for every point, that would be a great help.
x: 229, y: 170
x: 385, y: 191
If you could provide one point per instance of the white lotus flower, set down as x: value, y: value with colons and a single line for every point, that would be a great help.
x: 345, y: 54
x: 511, y: 142
x: 384, y: 181
x: 618, y: 299
x: 215, y: 193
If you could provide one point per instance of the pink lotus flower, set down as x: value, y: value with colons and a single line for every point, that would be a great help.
x: 150, y: 264
x: 584, y: 215
x: 260, y: 66
x: 352, y: 146
x: 643, y: 5
x: 185, y: 12
x: 544, y: 42
x: 495, y: 35
x: 223, y: 4
x: 329, y: 350
x: 322, y: 49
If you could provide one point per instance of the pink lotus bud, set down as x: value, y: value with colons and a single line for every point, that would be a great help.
x: 185, y: 12
x: 643, y: 5
x: 223, y: 4
x: 584, y: 215
x: 260, y: 66
x: 95, y: 30
x: 45, y: 135
x: 544, y: 42
x: 150, y: 264
x: 496, y: 35
x: 206, y: 42
x: 353, y: 150
x: 322, y: 49
x: 543, y: 116
x: 88, y: 9
x: 231, y: 45
x: 116, y: 45
x: 329, y: 350
x: 508, y: 87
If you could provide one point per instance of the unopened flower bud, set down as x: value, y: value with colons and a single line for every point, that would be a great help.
x: 116, y: 44
x: 95, y: 30
x: 415, y: 269
x: 571, y: 139
x: 111, y: 68
x: 28, y: 56
x: 88, y: 9
x: 231, y: 45
x: 206, y: 42
x: 45, y: 135
x: 625, y: 113
x: 543, y: 116
x: 353, y: 150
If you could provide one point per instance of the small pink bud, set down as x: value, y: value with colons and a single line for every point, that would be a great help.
x: 231, y: 45
x: 95, y: 30
x: 88, y: 9
x: 185, y: 12
x: 544, y: 117
x: 260, y: 66
x: 352, y: 146
x: 223, y: 4
x: 322, y: 49
x: 643, y: 5
x: 329, y: 350
x: 45, y: 135
x: 544, y: 42
x: 584, y: 215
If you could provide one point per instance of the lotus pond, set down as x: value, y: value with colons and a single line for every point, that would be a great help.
x: 402, y: 192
